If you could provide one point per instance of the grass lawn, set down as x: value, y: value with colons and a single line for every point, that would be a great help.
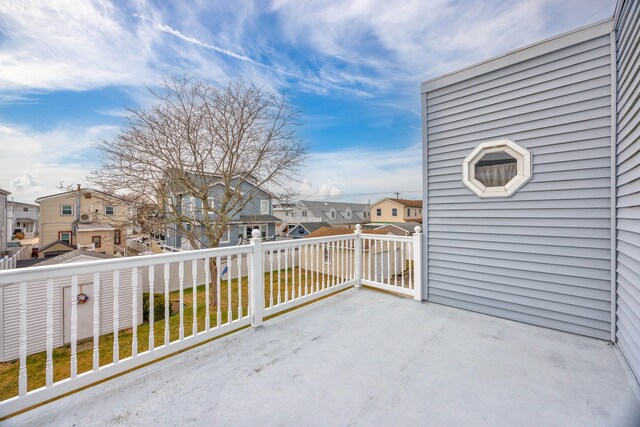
x: 36, y: 373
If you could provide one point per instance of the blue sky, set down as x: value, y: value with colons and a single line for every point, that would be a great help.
x: 69, y: 68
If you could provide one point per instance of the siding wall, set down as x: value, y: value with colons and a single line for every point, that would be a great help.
x: 37, y: 311
x: 543, y: 255
x: 628, y: 181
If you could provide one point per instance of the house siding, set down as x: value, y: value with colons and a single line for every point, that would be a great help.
x: 542, y: 256
x: 37, y: 311
x: 628, y: 183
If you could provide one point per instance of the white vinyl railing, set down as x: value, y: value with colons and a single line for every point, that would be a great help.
x: 93, y: 314
x: 8, y: 263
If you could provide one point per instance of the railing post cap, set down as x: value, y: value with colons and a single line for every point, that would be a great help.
x: 256, y: 234
x: 358, y: 227
x: 418, y: 229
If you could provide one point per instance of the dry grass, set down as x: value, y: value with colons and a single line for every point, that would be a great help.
x: 36, y: 372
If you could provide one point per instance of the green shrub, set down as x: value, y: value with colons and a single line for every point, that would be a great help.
x: 158, y: 307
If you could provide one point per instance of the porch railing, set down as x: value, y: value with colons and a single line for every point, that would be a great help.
x: 122, y: 313
x: 8, y: 263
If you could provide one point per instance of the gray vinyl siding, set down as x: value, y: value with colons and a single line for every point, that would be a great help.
x: 628, y: 183
x: 542, y: 256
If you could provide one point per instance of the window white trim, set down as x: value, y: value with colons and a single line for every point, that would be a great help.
x: 264, y: 207
x: 68, y: 214
x: 523, y: 164
x: 113, y: 209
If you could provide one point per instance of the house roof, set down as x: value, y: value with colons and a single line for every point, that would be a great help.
x: 23, y: 204
x: 331, y: 231
x: 248, y: 219
x: 321, y: 209
x: 25, y: 219
x: 86, y: 189
x: 70, y: 256
x: 5, y: 192
x: 404, y: 202
x: 95, y: 226
x: 405, y: 226
x: 311, y: 226
x: 56, y: 242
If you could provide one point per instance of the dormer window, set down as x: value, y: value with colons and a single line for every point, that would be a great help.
x: 109, y: 210
x: 264, y: 207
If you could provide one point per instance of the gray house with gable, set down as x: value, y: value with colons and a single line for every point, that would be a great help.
x: 531, y: 176
x: 257, y: 213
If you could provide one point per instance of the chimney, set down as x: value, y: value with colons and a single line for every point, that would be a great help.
x: 78, y: 187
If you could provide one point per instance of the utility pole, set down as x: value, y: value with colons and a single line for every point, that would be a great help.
x: 397, y: 193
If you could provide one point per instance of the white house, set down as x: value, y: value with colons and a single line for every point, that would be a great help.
x: 338, y: 214
x: 37, y: 311
x: 22, y: 217
x: 4, y: 232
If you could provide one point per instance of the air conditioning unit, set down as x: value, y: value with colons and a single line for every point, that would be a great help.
x: 85, y: 218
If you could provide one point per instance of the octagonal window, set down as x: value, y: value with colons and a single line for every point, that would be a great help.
x: 497, y: 169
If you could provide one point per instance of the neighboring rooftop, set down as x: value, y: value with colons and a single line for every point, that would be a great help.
x: 331, y: 231
x: 70, y: 256
x: 404, y: 202
x: 366, y: 358
x: 321, y: 209
x: 5, y: 192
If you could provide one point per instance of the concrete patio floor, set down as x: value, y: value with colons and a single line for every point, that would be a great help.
x: 368, y: 358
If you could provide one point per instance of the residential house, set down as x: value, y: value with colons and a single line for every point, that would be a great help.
x: 336, y: 214
x: 37, y: 295
x: 398, y: 228
x: 83, y: 217
x: 390, y: 210
x: 22, y: 218
x: 297, y: 231
x: 4, y: 231
x: 256, y: 214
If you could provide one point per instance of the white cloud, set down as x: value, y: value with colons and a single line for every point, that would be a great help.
x: 363, y: 174
x: 35, y: 163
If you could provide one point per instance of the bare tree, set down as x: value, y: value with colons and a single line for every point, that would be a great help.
x: 166, y: 159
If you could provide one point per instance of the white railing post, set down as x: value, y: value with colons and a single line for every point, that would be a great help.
x: 358, y: 255
x: 257, y: 280
x: 417, y: 263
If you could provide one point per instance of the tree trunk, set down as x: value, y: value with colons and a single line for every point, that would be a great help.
x: 213, y: 269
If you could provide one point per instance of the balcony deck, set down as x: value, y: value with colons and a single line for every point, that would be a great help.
x: 368, y: 358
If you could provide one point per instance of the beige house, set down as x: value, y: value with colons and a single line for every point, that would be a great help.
x: 396, y: 210
x: 84, y: 218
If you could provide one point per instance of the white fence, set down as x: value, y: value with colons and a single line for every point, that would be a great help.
x: 268, y: 278
x: 8, y: 263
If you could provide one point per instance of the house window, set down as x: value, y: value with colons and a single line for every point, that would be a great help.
x: 496, y: 169
x: 66, y: 210
x: 378, y: 212
x: 25, y: 209
x: 225, y: 237
x: 408, y: 212
x: 97, y: 241
x: 333, y: 215
x: 394, y: 212
x: 264, y: 207
x: 117, y: 236
x: 109, y: 210
x: 212, y: 203
x: 304, y: 214
x: 65, y: 237
x: 327, y: 255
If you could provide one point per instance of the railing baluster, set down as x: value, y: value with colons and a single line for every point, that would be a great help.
x: 402, y: 265
x: 239, y: 294
x: 49, y: 363
x: 306, y: 268
x: 134, y: 313
x: 278, y: 257
x: 311, y: 268
x: 239, y: 280
x: 167, y: 272
x: 300, y: 271
x: 410, y: 266
x: 74, y: 326
x: 229, y: 303
x: 152, y: 307
x: 322, y: 277
x: 286, y: 276
x: 116, y: 320
x: 218, y: 308
x: 271, y: 278
x: 207, y: 295
x: 194, y: 273
x: 22, y: 373
x: 371, y: 260
x: 293, y: 273
x: 388, y: 262
x: 395, y: 263
x: 181, y: 297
